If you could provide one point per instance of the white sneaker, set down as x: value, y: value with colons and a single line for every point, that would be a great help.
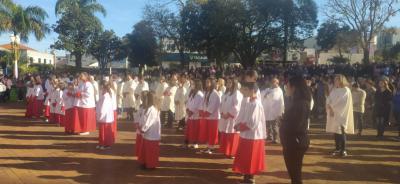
x: 98, y: 147
x: 84, y: 133
x: 196, y: 146
x: 208, y: 152
x: 105, y: 147
x: 46, y: 120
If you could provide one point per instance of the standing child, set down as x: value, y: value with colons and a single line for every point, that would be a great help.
x: 38, y: 97
x: 193, y: 107
x: 105, y: 117
x: 150, y: 127
x: 57, y: 104
x: 29, y: 100
x: 69, y: 108
x: 249, y: 158
x: 230, y: 106
x: 211, y: 114
x: 50, y: 83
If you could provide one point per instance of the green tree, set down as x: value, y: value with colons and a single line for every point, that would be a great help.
x: 77, y: 27
x: 366, y: 17
x: 106, y: 47
x: 142, y: 45
x: 208, y: 27
x: 23, y: 21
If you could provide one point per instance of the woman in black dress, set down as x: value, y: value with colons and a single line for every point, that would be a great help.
x: 383, y: 101
x: 293, y: 131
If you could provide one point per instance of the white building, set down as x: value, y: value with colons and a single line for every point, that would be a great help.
x: 31, y: 55
x: 89, y: 61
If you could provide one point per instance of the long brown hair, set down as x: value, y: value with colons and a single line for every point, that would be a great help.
x: 198, y: 86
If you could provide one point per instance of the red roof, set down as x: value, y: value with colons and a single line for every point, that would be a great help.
x: 21, y: 47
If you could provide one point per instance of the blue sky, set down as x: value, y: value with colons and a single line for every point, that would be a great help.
x: 121, y: 16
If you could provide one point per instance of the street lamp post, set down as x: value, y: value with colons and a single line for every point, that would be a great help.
x: 15, y: 40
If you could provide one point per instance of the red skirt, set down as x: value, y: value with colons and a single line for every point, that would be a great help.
x: 138, y: 148
x: 56, y: 118
x: 29, y: 109
x: 46, y: 112
x: 37, y: 108
x: 212, y: 131
x: 228, y: 143
x: 87, y: 119
x: 151, y: 153
x: 115, y: 128
x: 106, y: 136
x: 202, y: 131
x: 249, y: 157
x: 69, y: 120
x: 75, y: 121
x: 192, y: 130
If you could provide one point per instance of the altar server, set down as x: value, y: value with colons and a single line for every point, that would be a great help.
x: 105, y: 117
x: 212, y: 114
x: 86, y: 105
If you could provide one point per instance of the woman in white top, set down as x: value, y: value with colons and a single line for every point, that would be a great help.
x: 150, y: 128
x: 211, y: 113
x: 340, y: 121
x: 105, y: 117
x: 38, y: 97
x: 193, y: 107
x: 230, y: 106
x: 86, y: 105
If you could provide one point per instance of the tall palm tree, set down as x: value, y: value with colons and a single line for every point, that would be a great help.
x: 88, y: 7
x: 23, y: 21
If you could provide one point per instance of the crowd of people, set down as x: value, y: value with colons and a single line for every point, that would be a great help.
x: 231, y: 111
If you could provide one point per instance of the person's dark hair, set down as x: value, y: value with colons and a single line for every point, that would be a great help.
x: 234, y: 87
x: 302, y: 91
x: 198, y: 86
x: 356, y: 85
x: 251, y: 73
x: 250, y: 85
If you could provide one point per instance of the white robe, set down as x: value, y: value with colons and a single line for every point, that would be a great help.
x: 212, y: 106
x: 159, y: 93
x: 180, y: 103
x: 340, y: 100
x: 104, y: 110
x: 87, y: 99
x: 230, y: 104
x: 68, y: 100
x: 194, y: 104
x: 38, y: 92
x: 120, y: 95
x: 57, y: 98
x: 168, y: 102
x: 273, y: 103
x: 138, y: 93
x: 151, y: 124
x: 252, y: 115
x: 128, y: 89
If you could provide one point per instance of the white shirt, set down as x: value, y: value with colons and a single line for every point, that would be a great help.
x: 212, y: 105
x: 38, y: 92
x: 104, y: 110
x: 273, y: 103
x: 180, y: 103
x: 128, y: 89
x: 252, y: 115
x: 29, y: 92
x: 87, y: 95
x: 68, y: 100
x: 230, y: 104
x: 194, y: 104
x: 151, y: 124
x: 168, y: 102
x: 340, y: 100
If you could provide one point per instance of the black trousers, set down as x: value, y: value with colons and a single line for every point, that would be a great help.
x: 167, y: 118
x: 381, y: 123
x: 359, y: 120
x: 294, y: 162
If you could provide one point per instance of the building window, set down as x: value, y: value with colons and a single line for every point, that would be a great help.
x: 50, y: 62
x: 31, y: 60
x: 44, y: 60
x: 39, y: 61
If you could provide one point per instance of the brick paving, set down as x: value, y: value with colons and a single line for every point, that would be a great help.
x: 32, y: 151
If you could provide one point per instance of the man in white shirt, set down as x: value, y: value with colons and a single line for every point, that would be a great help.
x: 168, y: 104
x: 273, y: 103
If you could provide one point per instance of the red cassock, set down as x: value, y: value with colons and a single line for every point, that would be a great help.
x: 212, y: 131
x: 106, y: 135
x: 87, y: 119
x: 115, y: 127
x: 29, y: 107
x: 56, y: 118
x: 138, y: 148
x: 37, y: 108
x: 75, y: 125
x: 192, y: 130
x: 46, y: 112
x: 150, y: 153
x: 249, y: 158
x: 228, y: 143
x: 202, y: 130
x: 69, y: 120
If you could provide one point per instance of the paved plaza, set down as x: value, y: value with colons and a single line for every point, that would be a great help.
x: 35, y: 152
